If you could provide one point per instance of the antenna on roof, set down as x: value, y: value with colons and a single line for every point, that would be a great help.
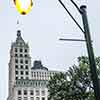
x: 18, y: 25
x: 17, y: 22
x: 18, y: 29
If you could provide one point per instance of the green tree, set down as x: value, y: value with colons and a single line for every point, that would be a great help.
x: 75, y: 84
x: 56, y: 87
x: 79, y: 76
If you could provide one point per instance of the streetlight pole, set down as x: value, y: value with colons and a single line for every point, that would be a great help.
x: 86, y: 31
x: 92, y: 62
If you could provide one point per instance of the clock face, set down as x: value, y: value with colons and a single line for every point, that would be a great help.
x: 23, y: 6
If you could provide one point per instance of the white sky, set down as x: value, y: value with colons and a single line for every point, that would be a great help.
x: 42, y: 28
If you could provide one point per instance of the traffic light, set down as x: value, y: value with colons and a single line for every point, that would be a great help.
x: 23, y: 6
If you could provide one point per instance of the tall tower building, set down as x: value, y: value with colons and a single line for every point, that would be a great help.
x: 26, y: 82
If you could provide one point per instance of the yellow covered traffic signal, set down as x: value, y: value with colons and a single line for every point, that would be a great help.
x: 23, y: 6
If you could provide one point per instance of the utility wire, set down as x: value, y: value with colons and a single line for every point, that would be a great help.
x: 71, y: 16
x: 76, y: 6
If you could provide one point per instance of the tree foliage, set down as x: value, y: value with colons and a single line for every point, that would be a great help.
x: 57, y: 86
x: 75, y: 84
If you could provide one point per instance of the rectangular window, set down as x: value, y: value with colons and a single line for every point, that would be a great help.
x: 37, y: 74
x: 40, y: 74
x: 26, y: 67
x: 16, y: 55
x: 43, y: 98
x: 16, y: 60
x: 17, y: 72
x: 37, y: 98
x: 21, y: 50
x: 21, y: 61
x: 26, y: 72
x: 15, y: 49
x: 21, y: 78
x: 45, y: 74
x: 21, y: 66
x: 19, y: 98
x: 25, y: 98
x: 26, y: 50
x: 19, y: 92
x: 43, y: 92
x: 26, y: 61
x: 16, y: 78
x: 26, y: 55
x: 31, y: 92
x: 27, y: 78
x: 16, y: 66
x: 34, y: 74
x: 31, y: 98
x: 25, y: 92
x: 21, y: 72
x: 21, y: 55
x: 37, y: 92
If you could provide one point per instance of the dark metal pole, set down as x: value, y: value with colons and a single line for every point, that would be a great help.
x: 92, y: 62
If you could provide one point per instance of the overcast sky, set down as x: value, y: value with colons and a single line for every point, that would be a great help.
x: 42, y: 28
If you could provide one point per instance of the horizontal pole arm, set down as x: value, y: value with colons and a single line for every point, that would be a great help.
x: 72, y: 40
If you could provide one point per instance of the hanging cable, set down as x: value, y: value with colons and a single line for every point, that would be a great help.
x: 71, y: 16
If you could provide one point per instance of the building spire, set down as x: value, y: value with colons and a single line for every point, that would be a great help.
x: 18, y: 33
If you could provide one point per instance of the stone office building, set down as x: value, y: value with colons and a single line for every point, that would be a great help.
x: 26, y: 82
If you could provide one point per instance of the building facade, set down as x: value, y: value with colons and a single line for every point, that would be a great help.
x: 26, y: 82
